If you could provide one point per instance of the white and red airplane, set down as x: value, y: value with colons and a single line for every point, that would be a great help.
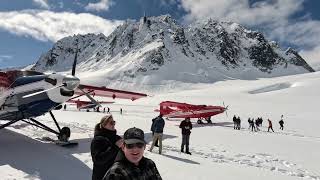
x: 173, y: 109
x: 87, y: 105
x: 25, y: 95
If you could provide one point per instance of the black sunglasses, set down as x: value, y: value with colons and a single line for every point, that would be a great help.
x: 131, y: 146
x: 112, y: 122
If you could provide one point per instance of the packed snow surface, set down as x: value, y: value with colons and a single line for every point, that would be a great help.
x: 218, y: 151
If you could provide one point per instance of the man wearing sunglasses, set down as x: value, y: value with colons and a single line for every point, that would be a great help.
x: 130, y: 164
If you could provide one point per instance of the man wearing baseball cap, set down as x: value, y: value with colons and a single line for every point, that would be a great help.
x: 130, y: 164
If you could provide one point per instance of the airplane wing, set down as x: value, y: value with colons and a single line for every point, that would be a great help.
x: 88, y: 102
x: 106, y: 92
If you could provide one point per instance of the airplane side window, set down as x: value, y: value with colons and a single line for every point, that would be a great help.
x: 51, y: 81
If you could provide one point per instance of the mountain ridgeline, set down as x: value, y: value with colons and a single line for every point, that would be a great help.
x: 158, y: 48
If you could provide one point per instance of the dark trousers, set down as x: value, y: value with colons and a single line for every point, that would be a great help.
x: 270, y: 127
x: 185, y: 142
x: 281, y: 127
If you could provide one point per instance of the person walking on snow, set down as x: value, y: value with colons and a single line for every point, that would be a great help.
x: 186, y: 127
x: 270, y: 125
x: 281, y: 122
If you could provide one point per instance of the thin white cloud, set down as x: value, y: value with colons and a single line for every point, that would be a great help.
x: 42, y: 3
x: 312, y: 56
x: 103, y: 5
x: 52, y: 26
x: 240, y: 11
x: 4, y: 58
x: 273, y: 16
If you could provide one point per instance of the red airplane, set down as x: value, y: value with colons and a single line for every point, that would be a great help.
x: 172, y: 109
x: 87, y: 104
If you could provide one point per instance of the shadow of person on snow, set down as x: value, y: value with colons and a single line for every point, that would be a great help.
x: 43, y: 160
x: 181, y: 159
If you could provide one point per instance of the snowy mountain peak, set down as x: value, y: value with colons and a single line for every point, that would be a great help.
x: 158, y: 48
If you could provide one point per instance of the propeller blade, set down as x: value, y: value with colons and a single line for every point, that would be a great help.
x: 74, y: 63
x: 91, y: 99
x: 39, y: 92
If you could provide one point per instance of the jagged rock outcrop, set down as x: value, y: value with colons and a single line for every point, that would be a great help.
x: 158, y: 48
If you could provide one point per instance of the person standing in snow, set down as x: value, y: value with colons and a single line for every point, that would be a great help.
x: 186, y: 127
x: 152, y: 130
x: 234, y: 119
x: 281, y: 122
x: 157, y: 127
x: 104, y: 146
x: 270, y: 125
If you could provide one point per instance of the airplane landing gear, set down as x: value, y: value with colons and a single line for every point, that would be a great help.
x: 64, y: 134
x: 208, y: 119
x: 199, y: 121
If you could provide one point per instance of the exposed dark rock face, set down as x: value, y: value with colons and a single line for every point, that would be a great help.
x: 156, y: 42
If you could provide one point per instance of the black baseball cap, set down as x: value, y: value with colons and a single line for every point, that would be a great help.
x: 134, y: 135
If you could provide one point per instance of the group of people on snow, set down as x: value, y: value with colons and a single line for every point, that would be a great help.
x: 255, y: 124
x: 116, y: 157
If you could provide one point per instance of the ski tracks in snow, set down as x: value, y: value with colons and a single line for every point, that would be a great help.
x: 258, y: 160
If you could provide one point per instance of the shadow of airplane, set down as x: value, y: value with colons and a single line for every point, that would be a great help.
x: 43, y: 160
x: 222, y: 124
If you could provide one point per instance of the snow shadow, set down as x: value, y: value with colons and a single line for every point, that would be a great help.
x: 180, y: 159
x: 274, y: 87
x: 148, y: 137
x: 42, y: 160
x: 205, y: 124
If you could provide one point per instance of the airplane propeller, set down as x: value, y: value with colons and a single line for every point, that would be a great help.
x: 69, y: 82
x: 39, y: 92
x: 77, y: 85
x: 225, y: 108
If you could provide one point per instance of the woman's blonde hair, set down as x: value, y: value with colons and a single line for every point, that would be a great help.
x: 105, y: 120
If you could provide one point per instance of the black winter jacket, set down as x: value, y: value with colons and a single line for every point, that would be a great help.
x: 185, y: 127
x: 123, y: 169
x: 103, y: 151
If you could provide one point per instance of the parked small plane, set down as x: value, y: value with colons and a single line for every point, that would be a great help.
x: 173, y: 109
x: 87, y: 105
x: 25, y: 95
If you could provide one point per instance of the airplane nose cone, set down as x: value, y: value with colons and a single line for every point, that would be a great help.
x: 71, y: 82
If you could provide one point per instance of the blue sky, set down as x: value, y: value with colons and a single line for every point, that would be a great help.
x: 29, y: 28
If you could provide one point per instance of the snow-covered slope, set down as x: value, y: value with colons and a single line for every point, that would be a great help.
x: 158, y: 49
x: 218, y: 151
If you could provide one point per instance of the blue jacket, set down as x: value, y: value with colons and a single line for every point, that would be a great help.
x: 157, y: 125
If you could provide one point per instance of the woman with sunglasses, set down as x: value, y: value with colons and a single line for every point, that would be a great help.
x: 104, y: 146
x: 130, y: 164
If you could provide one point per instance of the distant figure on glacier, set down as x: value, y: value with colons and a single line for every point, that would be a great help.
x: 270, y: 125
x: 251, y: 124
x: 234, y: 119
x: 281, y: 122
